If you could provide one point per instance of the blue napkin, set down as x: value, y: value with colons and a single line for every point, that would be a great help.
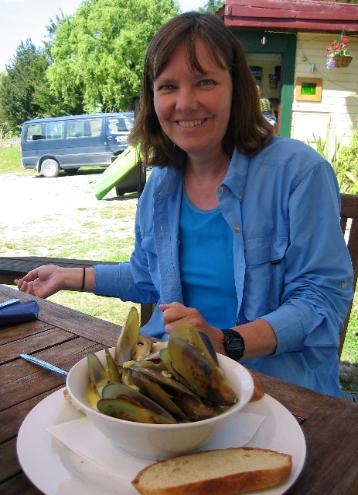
x: 19, y: 313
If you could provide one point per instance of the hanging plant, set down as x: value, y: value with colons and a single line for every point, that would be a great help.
x: 338, y: 53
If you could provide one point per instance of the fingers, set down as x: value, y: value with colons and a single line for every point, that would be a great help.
x: 174, y: 313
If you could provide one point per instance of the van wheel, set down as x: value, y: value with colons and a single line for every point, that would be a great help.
x: 50, y: 168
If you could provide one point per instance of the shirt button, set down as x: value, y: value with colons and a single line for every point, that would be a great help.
x: 237, y: 229
x: 344, y: 284
x: 220, y: 190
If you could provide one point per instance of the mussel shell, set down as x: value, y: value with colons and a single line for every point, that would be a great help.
x: 142, y: 348
x: 112, y: 370
x: 128, y: 337
x: 199, y: 340
x: 156, y: 392
x: 124, y: 409
x: 161, y: 378
x: 202, y: 375
x: 97, y: 373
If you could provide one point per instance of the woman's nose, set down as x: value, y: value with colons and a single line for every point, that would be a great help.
x: 186, y: 99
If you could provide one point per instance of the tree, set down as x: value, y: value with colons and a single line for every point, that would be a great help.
x: 212, y: 6
x: 25, y: 75
x: 98, y: 53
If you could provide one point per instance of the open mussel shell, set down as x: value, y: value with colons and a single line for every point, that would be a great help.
x: 112, y: 370
x: 161, y: 377
x: 128, y: 338
x: 201, y: 375
x: 98, y: 376
x: 199, y: 340
x: 123, y: 402
x: 142, y: 348
x: 156, y: 392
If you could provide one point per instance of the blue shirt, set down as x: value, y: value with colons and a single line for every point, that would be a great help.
x: 206, y: 264
x: 291, y: 265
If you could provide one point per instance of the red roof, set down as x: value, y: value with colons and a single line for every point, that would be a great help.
x: 293, y: 15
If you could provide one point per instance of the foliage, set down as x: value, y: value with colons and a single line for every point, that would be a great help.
x: 346, y: 165
x: 18, y: 86
x: 212, y: 6
x: 24, y: 89
x: 344, y: 160
x: 98, y: 53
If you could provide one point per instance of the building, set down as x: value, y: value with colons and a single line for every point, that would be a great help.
x: 285, y: 42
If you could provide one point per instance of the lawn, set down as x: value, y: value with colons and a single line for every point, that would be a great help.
x: 81, y: 236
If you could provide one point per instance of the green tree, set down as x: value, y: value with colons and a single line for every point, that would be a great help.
x: 18, y: 87
x: 98, y: 53
x: 212, y: 6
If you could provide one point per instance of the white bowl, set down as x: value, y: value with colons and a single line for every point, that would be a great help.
x: 160, y: 440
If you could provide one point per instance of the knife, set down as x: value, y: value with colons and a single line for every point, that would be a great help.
x: 44, y: 364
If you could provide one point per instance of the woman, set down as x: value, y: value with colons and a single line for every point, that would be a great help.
x: 237, y: 231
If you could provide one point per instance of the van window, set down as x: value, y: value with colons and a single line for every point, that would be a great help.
x: 84, y: 128
x: 120, y: 124
x: 48, y: 130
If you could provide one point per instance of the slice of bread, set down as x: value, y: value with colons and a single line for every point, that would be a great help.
x: 215, y: 472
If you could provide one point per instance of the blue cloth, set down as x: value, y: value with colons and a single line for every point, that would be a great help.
x: 291, y: 265
x: 19, y: 313
x: 206, y: 264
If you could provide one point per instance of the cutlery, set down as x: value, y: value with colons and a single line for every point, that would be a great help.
x: 44, y: 364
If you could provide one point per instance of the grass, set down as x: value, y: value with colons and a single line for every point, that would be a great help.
x: 98, y: 236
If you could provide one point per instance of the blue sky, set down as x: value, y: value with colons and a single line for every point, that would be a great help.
x: 22, y: 19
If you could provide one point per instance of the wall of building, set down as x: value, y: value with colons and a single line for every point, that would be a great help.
x: 335, y: 116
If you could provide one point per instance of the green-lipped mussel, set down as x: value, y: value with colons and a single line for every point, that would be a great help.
x: 155, y: 382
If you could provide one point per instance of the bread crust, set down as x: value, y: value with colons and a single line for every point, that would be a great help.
x: 233, y: 484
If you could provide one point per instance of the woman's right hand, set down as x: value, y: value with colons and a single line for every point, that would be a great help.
x: 42, y: 281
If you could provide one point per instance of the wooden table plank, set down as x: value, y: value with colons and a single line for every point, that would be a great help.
x: 17, y: 485
x: 13, y: 333
x: 11, y: 418
x: 32, y: 343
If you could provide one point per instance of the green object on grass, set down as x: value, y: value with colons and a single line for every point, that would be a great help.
x: 117, y: 171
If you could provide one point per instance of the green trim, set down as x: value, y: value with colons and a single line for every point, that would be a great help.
x: 285, y: 45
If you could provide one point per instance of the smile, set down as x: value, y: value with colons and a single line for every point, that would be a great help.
x: 190, y: 123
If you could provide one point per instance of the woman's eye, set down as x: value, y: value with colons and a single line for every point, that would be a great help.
x: 166, y: 87
x: 207, y: 82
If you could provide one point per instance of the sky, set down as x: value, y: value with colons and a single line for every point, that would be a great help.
x: 22, y: 19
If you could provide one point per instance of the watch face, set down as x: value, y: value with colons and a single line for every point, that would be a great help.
x: 234, y: 344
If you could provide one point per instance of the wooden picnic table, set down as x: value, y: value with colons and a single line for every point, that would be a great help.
x: 62, y: 336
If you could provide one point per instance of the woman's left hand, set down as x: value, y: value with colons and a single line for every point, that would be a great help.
x: 174, y: 313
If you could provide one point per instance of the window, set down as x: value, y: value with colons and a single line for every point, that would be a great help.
x: 54, y: 130
x: 117, y: 125
x: 84, y: 128
x: 35, y: 131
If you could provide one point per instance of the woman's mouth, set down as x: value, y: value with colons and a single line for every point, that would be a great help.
x: 189, y: 124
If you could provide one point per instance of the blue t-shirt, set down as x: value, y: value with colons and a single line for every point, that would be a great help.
x: 206, y: 264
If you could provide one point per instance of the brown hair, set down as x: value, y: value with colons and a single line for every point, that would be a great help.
x: 247, y: 128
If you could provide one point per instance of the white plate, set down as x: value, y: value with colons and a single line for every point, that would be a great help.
x: 56, y: 470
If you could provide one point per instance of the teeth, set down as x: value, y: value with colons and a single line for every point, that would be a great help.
x: 190, y: 123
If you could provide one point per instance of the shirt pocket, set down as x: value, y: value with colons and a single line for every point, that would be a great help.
x: 264, y: 275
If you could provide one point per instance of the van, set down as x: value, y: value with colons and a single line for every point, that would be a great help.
x: 67, y: 143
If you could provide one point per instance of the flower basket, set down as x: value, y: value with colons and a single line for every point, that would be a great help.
x: 338, y: 54
x: 342, y: 61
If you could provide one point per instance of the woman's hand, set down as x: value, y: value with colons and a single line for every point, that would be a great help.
x: 174, y: 313
x: 41, y: 282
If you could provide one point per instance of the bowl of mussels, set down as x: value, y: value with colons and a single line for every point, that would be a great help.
x: 157, y: 399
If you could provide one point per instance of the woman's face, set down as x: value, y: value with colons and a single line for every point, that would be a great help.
x: 194, y: 108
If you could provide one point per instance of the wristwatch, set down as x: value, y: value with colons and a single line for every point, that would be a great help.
x: 234, y: 344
